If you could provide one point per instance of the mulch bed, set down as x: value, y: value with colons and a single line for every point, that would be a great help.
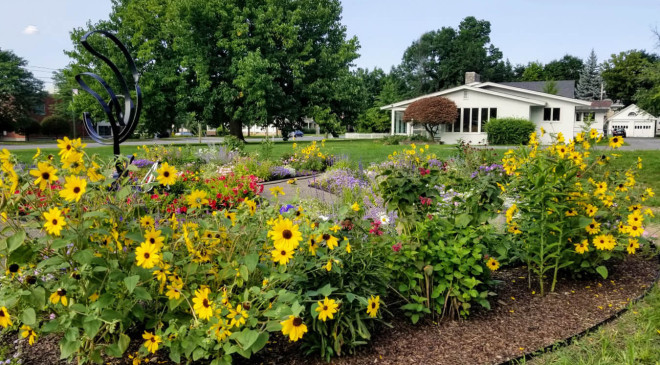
x: 519, y: 323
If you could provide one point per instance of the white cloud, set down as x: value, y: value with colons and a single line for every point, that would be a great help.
x: 30, y: 30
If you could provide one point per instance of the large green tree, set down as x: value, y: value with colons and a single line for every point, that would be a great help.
x: 20, y: 93
x: 565, y: 68
x: 589, y: 85
x: 440, y: 58
x: 622, y: 74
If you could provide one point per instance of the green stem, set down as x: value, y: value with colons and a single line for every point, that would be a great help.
x: 557, y: 259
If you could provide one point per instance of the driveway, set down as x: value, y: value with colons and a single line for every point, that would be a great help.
x: 638, y: 144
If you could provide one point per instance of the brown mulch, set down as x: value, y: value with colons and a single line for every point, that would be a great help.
x: 519, y: 323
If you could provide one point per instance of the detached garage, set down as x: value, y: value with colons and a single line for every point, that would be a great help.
x: 636, y: 122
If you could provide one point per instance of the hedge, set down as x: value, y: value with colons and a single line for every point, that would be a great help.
x: 509, y: 131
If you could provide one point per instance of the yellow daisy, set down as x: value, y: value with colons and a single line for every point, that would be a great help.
x: 74, y: 188
x: 166, y: 174
x: 151, y: 341
x: 373, y: 305
x: 326, y: 308
x: 45, y: 174
x: 294, y: 327
x: 54, y: 221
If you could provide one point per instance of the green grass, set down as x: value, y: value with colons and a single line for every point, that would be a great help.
x: 632, y: 339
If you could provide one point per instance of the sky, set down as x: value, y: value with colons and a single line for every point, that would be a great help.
x: 524, y: 30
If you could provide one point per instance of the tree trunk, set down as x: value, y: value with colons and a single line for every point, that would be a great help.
x: 236, y: 129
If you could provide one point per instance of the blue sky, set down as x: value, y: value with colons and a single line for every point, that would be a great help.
x: 524, y: 30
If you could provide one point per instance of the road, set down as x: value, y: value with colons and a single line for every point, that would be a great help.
x: 164, y: 141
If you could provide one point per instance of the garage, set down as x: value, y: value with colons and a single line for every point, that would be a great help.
x: 635, y: 121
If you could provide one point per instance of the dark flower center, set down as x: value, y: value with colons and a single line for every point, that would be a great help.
x: 325, y: 307
x: 61, y: 292
x: 152, y: 240
x: 2, y: 313
x: 287, y: 234
x: 634, y: 228
x: 54, y: 222
x: 205, y: 303
x: 297, y: 321
x: 283, y: 253
x: 68, y: 147
x: 166, y: 174
x: 31, y: 280
x: 146, y: 255
x: 153, y: 339
x: 76, y: 190
x: 13, y: 268
x: 591, y: 226
x: 45, y: 175
x: 326, y: 236
x: 373, y: 304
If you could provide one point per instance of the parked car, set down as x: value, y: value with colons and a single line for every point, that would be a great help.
x: 296, y: 134
x: 619, y: 132
x: 162, y: 135
x: 184, y: 134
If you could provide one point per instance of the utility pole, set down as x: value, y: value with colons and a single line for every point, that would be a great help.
x: 73, y: 113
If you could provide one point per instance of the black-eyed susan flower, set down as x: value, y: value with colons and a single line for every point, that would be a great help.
x: 326, y: 308
x: 635, y: 217
x: 151, y: 341
x: 173, y: 292
x: 313, y: 246
x: 593, y: 227
x: 634, y: 207
x: 231, y: 216
x: 492, y: 264
x: 633, y: 245
x: 582, y: 247
x: 197, y: 199
x: 147, y: 221
x: 202, y: 305
x: 601, y: 188
x: 238, y: 315
x: 330, y: 240
x: 355, y: 207
x: 328, y: 266
x: 281, y: 255
x: 94, y: 297
x: 166, y: 174
x: 634, y: 230
x: 74, y: 188
x: 28, y: 332
x: 153, y: 237
x: 54, y: 221
x: 147, y: 256
x: 285, y: 234
x: 616, y: 142
x: 251, y: 204
x: 294, y: 327
x: 221, y: 330
x: 372, y: 306
x: 571, y: 213
x: 5, y: 319
x: 45, y: 174
x: 59, y: 296
x: 277, y: 190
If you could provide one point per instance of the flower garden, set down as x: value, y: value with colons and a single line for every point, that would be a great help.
x: 201, y: 262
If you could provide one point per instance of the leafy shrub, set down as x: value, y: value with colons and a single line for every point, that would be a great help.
x: 509, y: 131
x: 572, y: 210
x: 419, y: 138
x: 233, y: 143
x: 393, y: 140
x: 55, y: 126
x: 431, y: 113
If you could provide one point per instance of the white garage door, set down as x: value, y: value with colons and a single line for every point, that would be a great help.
x: 636, y: 128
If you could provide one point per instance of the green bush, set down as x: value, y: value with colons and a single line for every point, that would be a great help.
x: 233, y: 143
x: 55, y: 126
x: 509, y: 131
x: 393, y: 140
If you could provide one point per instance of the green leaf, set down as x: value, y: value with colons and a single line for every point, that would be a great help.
x: 122, y: 194
x: 260, y: 342
x: 91, y: 325
x: 131, y: 282
x: 296, y: 308
x: 29, y: 317
x: 67, y: 348
x: 463, y: 220
x: 15, y: 241
x: 327, y: 290
x: 123, y: 342
x: 602, y: 270
x: 251, y: 261
x: 83, y: 257
x: 142, y: 293
x: 247, y: 337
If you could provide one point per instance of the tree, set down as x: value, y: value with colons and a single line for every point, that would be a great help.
x: 55, y: 125
x: 20, y: 92
x: 648, y: 98
x: 589, y: 86
x: 440, y: 58
x: 622, y: 74
x: 374, y: 119
x: 550, y: 87
x: 431, y: 113
x: 565, y: 68
x: 534, y: 72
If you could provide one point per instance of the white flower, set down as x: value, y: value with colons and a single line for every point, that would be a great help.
x: 324, y: 218
x: 384, y: 219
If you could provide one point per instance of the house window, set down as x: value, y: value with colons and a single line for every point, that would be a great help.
x: 484, y: 118
x: 399, y: 124
x: 550, y: 114
x: 40, y: 109
x: 465, y: 94
x: 584, y: 116
x: 466, y: 120
x: 493, y: 113
x: 632, y: 114
x: 475, y: 120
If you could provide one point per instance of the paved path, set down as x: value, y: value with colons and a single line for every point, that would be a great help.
x: 301, y: 190
x: 163, y: 141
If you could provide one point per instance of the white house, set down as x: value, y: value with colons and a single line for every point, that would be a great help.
x: 478, y: 102
x: 636, y: 122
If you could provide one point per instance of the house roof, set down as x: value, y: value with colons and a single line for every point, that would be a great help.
x: 565, y: 88
x: 476, y: 87
x: 631, y: 108
x: 534, y: 93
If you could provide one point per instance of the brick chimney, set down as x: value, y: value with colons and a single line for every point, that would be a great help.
x: 471, y: 77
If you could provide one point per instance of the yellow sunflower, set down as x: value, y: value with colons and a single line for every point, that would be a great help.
x: 330, y: 240
x: 151, y: 341
x: 221, y: 330
x: 45, y: 174
x: 616, y: 142
x: 593, y: 227
x: 493, y: 264
x: 147, y: 221
x: 59, y: 296
x: 571, y: 213
x: 326, y: 308
x: 285, y: 234
x: 74, y: 188
x: 313, y: 245
x: 154, y: 238
x: 582, y: 247
x: 197, y: 198
x: 634, y: 230
x: 238, y: 315
x: 166, y: 174
x: 282, y: 255
x: 294, y: 327
x: 277, y: 190
x: 373, y: 305
x: 54, y: 221
x: 355, y: 207
x: 203, y: 306
x: 633, y: 245
x: 251, y: 204
x: 5, y: 319
x: 29, y: 333
x: 147, y: 255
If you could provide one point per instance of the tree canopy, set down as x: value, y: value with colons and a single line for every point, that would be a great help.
x: 431, y: 113
x: 20, y: 93
x: 589, y: 85
x: 622, y: 74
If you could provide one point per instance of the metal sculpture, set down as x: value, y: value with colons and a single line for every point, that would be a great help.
x: 122, y: 120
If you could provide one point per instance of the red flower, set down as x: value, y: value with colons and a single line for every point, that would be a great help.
x: 397, y: 247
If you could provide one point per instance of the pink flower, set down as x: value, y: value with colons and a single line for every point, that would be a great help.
x: 397, y: 247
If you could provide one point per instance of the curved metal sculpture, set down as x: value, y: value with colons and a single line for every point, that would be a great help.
x: 122, y: 121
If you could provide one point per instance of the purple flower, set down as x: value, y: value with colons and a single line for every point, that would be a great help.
x: 141, y: 163
x: 286, y: 208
